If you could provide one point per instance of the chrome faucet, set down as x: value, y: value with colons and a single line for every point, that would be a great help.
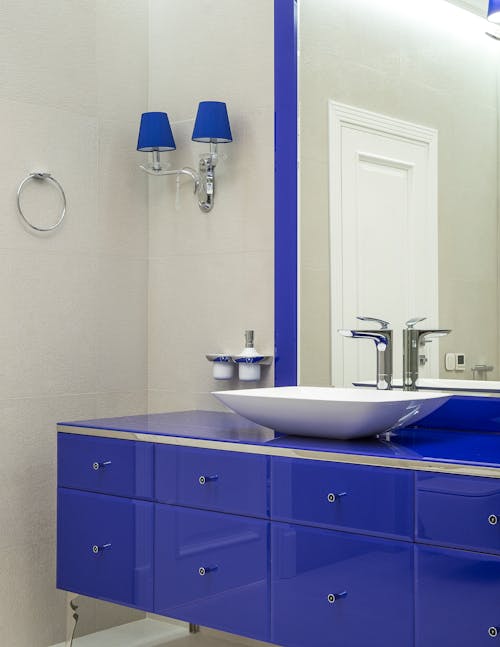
x: 383, y: 342
x: 413, y: 340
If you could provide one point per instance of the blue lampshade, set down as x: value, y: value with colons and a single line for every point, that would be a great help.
x: 212, y: 123
x: 494, y: 11
x: 155, y: 133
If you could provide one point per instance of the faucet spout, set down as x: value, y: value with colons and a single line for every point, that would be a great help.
x: 413, y: 340
x: 383, y: 344
x: 380, y: 339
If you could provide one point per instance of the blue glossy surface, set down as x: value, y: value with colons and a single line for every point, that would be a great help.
x: 123, y: 571
x: 125, y: 468
x: 457, y: 598
x: 309, y: 564
x: 286, y: 189
x: 466, y: 413
x: 454, y: 511
x: 374, y: 500
x: 231, y: 482
x: 233, y: 595
x: 460, y: 447
x: 205, y: 425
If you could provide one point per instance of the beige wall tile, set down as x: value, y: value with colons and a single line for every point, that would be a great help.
x: 32, y: 610
x: 211, y: 276
x: 49, y: 53
x: 73, y: 334
x: 120, y: 328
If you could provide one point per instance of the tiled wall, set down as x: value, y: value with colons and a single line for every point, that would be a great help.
x: 74, y: 330
x: 435, y: 68
x: 74, y: 303
x: 211, y: 276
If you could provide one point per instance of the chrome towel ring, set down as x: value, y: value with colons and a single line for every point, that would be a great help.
x: 41, y: 176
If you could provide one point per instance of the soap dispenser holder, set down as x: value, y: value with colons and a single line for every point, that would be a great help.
x: 249, y: 362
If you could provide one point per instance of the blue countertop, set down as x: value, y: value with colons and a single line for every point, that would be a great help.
x: 473, y: 447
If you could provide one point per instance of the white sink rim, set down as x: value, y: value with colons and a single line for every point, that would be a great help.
x: 332, y: 412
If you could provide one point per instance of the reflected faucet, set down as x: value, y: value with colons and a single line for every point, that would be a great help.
x: 383, y: 342
x: 413, y: 340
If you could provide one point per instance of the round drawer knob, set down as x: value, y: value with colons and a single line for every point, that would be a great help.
x: 493, y: 519
x: 97, y: 466
x: 332, y: 497
x: 204, y: 570
x: 99, y: 549
x: 333, y: 597
x: 493, y: 632
x: 203, y: 479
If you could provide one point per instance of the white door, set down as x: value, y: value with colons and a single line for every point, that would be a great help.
x: 384, y: 235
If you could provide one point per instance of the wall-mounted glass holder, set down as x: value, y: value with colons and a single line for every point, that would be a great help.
x: 249, y: 367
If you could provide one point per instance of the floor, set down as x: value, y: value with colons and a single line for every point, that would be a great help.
x: 154, y: 633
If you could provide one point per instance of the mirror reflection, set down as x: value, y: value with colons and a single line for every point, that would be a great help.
x: 398, y: 105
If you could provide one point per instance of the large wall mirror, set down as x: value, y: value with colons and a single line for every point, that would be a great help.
x: 398, y: 184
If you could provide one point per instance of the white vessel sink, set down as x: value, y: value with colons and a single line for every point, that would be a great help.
x: 331, y: 412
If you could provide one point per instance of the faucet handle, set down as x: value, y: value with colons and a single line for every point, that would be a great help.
x: 384, y: 325
x: 411, y: 323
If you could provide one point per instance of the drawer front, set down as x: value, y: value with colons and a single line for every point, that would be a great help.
x: 348, y: 497
x: 107, y: 465
x: 105, y: 547
x: 334, y: 589
x: 211, y: 479
x: 457, y: 598
x: 212, y: 570
x: 459, y: 511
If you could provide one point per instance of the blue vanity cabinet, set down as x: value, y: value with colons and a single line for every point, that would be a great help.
x: 334, y: 589
x: 105, y: 465
x: 458, y: 511
x: 357, y: 498
x: 105, y: 547
x: 212, y: 569
x: 212, y: 480
x: 457, y: 598
x: 288, y: 550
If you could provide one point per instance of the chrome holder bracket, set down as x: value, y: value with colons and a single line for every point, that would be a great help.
x: 203, y: 179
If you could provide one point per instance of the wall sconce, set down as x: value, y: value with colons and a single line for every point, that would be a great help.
x: 211, y: 127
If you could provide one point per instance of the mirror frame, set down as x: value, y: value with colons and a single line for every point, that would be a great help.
x: 286, y: 193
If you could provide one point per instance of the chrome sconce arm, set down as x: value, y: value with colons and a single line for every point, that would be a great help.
x: 211, y: 126
x: 187, y: 170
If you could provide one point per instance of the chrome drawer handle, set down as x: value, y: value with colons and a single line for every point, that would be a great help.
x: 334, y: 497
x: 204, y: 570
x: 97, y: 466
x: 203, y: 480
x: 493, y: 632
x: 99, y: 549
x: 333, y: 597
x: 493, y: 519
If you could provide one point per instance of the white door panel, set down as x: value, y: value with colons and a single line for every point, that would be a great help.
x: 383, y: 214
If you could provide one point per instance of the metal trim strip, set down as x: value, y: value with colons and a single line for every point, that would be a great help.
x: 331, y: 457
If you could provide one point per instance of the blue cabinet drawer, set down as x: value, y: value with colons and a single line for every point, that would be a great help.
x: 105, y: 547
x: 459, y: 511
x: 357, y: 498
x: 107, y: 465
x: 212, y: 570
x: 335, y: 589
x: 211, y: 479
x: 457, y: 598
